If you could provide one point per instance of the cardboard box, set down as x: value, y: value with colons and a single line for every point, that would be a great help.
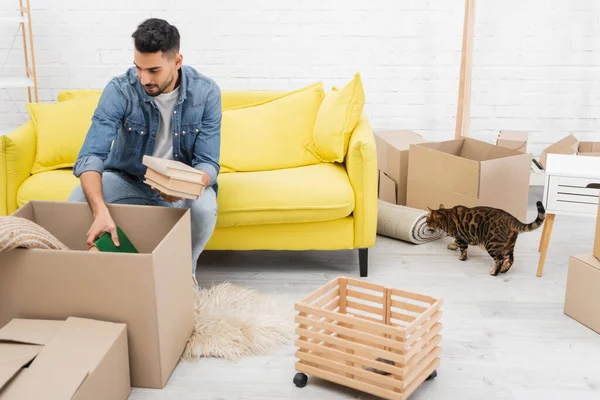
x: 582, y: 296
x: 73, y: 359
x: 468, y: 172
x: 392, y: 160
x: 151, y: 291
x: 596, y: 251
x: 570, y: 145
x: 514, y: 140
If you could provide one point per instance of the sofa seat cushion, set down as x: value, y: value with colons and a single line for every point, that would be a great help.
x: 52, y: 185
x: 320, y: 192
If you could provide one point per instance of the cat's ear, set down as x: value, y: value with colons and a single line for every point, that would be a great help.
x: 441, y: 206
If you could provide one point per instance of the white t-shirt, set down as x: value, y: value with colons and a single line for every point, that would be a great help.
x: 164, y: 137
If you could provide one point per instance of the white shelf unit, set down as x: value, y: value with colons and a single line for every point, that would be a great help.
x: 21, y: 21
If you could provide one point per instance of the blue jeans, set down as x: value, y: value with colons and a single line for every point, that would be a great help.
x: 119, y: 188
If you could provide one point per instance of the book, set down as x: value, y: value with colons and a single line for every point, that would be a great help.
x: 105, y: 243
x: 174, y: 184
x: 169, y: 191
x: 173, y: 169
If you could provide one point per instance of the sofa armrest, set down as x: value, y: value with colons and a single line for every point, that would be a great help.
x: 17, y: 154
x: 361, y: 165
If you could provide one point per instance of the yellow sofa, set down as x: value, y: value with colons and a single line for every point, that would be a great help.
x: 322, y: 206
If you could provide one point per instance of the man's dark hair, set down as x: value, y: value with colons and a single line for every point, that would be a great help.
x: 154, y: 35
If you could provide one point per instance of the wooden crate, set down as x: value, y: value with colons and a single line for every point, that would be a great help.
x: 368, y: 337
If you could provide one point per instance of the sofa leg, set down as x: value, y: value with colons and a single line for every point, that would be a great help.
x: 363, y: 261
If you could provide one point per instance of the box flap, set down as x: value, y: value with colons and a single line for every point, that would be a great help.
x: 77, y: 347
x: 589, y: 259
x: 13, y: 357
x: 567, y: 145
x: 29, y: 331
x: 589, y: 147
x: 399, y: 139
x: 387, y: 188
x: 515, y: 140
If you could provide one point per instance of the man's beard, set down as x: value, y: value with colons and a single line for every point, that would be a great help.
x: 161, y: 88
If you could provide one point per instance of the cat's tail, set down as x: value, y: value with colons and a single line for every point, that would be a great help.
x: 538, y: 221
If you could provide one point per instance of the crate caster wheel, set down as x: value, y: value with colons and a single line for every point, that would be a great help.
x: 300, y: 379
x: 433, y: 375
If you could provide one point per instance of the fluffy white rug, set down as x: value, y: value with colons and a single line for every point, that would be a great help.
x: 232, y: 322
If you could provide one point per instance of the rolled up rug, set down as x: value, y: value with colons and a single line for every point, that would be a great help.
x: 21, y: 232
x: 405, y: 223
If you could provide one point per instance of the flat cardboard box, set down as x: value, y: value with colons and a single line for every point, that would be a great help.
x: 570, y: 145
x: 582, y: 296
x: 152, y: 291
x: 78, y: 358
x: 468, y: 172
x: 514, y: 140
x: 392, y: 160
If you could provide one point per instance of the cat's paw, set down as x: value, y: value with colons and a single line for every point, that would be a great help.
x: 495, y: 270
x: 463, y: 257
x: 453, y: 246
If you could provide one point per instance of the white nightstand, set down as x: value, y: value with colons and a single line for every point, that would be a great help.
x: 571, y: 187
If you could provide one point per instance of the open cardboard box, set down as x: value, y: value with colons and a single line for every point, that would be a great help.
x: 392, y: 160
x: 78, y: 358
x: 570, y: 145
x: 152, y: 292
x: 468, y: 172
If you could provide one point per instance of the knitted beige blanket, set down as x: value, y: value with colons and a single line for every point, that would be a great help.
x: 21, y: 232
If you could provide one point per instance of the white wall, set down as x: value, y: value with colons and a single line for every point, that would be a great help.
x: 536, y: 62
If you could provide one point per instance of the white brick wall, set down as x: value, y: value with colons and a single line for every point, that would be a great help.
x: 536, y: 62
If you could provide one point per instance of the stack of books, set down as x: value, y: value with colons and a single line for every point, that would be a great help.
x: 173, y: 177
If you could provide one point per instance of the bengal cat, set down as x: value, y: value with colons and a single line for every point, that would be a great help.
x: 490, y: 228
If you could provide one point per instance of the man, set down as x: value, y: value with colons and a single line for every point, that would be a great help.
x: 162, y: 108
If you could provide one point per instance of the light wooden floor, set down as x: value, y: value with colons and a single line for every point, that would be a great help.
x: 504, y: 337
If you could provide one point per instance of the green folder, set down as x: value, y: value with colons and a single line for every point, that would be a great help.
x: 106, y: 244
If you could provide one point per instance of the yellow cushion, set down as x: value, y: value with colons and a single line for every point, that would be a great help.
x: 338, y: 115
x: 51, y: 185
x: 65, y: 95
x: 312, y: 193
x: 61, y: 129
x: 271, y: 134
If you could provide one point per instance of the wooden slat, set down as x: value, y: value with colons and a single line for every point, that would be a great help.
x: 342, y: 368
x: 402, y: 317
x: 363, y: 324
x: 435, y: 330
x: 351, y: 383
x: 420, y: 378
x: 435, y: 318
x: 365, y: 285
x: 415, y: 372
x: 437, y: 339
x: 356, y: 359
x: 364, y: 296
x: 366, y: 318
x: 319, y: 292
x: 372, y: 351
x: 423, y: 317
x: 332, y: 306
x: 413, y: 296
x: 371, y: 338
x: 327, y: 298
x: 365, y: 308
x: 408, y: 306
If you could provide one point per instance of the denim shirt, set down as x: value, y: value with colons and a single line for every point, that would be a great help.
x: 125, y: 124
